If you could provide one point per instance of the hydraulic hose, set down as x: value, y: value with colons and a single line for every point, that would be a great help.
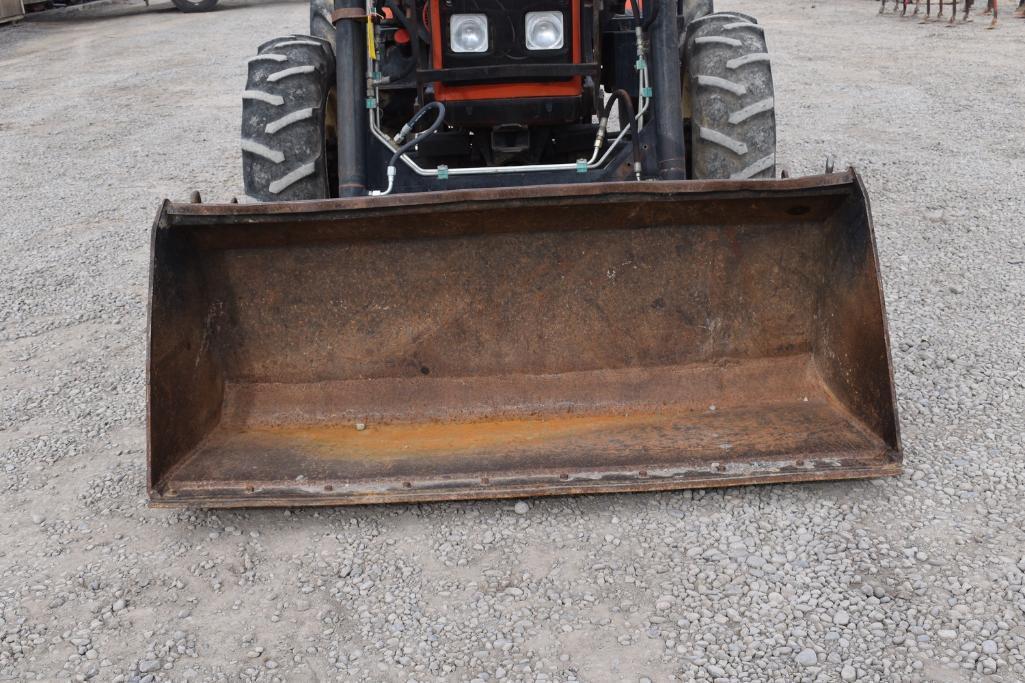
x: 414, y: 40
x: 414, y: 141
x: 626, y: 107
x: 643, y: 22
x: 407, y: 69
x: 411, y: 124
x: 412, y: 27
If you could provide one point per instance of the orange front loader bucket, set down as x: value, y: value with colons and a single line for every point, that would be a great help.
x: 516, y: 342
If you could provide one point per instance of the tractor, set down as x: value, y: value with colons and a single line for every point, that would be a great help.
x: 503, y: 248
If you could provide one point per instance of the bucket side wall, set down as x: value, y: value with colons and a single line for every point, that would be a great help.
x: 852, y: 343
x: 185, y: 384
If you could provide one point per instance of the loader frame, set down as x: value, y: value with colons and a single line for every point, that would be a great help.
x: 363, y: 150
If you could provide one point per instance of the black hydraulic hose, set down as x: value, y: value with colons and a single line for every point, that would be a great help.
x: 439, y: 120
x: 626, y: 106
x: 419, y: 137
x: 411, y: 27
x: 649, y: 18
x: 406, y: 70
x: 643, y: 22
x: 414, y: 39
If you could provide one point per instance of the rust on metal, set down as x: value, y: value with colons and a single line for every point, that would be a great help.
x: 348, y: 14
x: 518, y: 341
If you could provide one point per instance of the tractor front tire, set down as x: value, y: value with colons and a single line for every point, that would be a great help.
x: 285, y: 113
x: 320, y: 20
x: 731, y: 98
x: 695, y: 9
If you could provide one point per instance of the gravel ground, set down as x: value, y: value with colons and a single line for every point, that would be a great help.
x: 919, y: 578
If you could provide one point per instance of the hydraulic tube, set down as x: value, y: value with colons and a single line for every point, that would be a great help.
x: 670, y: 146
x: 351, y: 89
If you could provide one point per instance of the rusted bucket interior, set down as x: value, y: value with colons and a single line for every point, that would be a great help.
x: 512, y: 342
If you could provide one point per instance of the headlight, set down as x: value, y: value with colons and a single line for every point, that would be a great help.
x: 468, y: 33
x: 544, y: 30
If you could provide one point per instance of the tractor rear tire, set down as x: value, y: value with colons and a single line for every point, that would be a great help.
x: 284, y: 120
x: 732, y: 104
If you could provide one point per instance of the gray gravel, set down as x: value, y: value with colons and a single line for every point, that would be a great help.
x: 919, y: 578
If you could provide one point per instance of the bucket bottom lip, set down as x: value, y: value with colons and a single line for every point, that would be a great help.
x: 817, y: 467
x: 265, y: 466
